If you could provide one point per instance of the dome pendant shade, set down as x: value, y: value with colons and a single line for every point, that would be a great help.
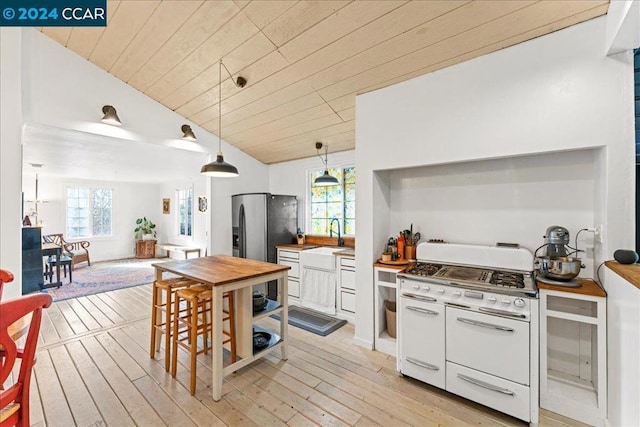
x: 219, y: 168
x: 326, y: 180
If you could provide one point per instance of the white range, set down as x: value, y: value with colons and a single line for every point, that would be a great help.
x: 469, y: 324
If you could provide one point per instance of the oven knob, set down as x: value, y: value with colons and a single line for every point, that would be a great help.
x: 457, y: 294
x: 416, y: 286
x: 492, y: 299
x: 426, y: 288
x: 440, y: 291
x: 506, y: 301
x: 519, y: 302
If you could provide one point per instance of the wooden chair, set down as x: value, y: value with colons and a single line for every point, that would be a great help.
x: 196, y: 322
x: 5, y: 277
x: 14, y: 398
x: 77, y: 251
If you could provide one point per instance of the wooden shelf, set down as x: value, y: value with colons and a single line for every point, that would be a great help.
x: 271, y: 308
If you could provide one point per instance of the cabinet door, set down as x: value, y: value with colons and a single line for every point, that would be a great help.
x: 347, y: 279
x: 422, y: 341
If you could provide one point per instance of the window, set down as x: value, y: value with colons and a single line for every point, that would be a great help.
x: 337, y: 201
x: 89, y: 212
x: 185, y: 212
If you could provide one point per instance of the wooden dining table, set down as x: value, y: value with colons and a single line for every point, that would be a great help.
x: 224, y: 274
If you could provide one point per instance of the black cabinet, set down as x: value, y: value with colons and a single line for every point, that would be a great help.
x: 32, y: 277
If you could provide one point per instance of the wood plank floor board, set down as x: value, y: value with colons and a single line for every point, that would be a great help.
x: 96, y: 313
x: 244, y: 382
x: 249, y: 408
x: 167, y: 409
x: 125, y: 360
x: 300, y: 420
x: 85, y: 316
x: 48, y: 332
x: 115, y: 302
x: 137, y: 406
x: 54, y: 403
x: 77, y: 325
x: 35, y: 404
x: 109, y: 312
x: 79, y: 399
x: 59, y: 322
x: 111, y: 409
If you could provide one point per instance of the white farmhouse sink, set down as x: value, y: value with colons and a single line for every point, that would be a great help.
x: 319, y: 258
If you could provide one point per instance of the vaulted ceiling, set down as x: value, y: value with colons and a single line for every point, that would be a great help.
x: 305, y: 61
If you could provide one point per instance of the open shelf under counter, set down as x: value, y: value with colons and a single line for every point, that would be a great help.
x: 385, y: 289
x: 573, y: 358
x: 274, y: 341
x: 271, y: 308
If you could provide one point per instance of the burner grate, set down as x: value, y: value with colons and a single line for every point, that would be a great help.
x: 507, y: 279
x: 424, y: 269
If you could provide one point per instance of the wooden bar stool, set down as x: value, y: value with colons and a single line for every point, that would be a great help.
x: 163, y: 295
x: 195, y: 321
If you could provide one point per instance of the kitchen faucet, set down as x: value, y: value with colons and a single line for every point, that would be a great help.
x: 340, y: 239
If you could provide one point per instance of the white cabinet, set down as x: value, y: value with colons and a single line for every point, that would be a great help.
x: 573, y: 351
x: 291, y: 258
x: 384, y: 290
x: 346, y: 290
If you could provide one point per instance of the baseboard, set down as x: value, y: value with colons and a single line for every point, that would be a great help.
x: 363, y: 343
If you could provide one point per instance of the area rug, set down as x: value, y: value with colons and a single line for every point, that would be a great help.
x: 105, y: 276
x: 312, y: 321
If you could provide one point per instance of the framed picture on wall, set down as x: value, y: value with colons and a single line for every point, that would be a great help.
x: 166, y: 206
x: 202, y: 204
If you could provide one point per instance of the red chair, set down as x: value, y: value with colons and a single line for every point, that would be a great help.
x: 14, y: 399
x: 5, y: 277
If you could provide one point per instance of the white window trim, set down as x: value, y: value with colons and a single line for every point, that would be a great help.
x: 307, y: 191
x: 68, y: 185
x: 176, y: 208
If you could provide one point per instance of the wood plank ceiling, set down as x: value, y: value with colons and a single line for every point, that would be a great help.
x: 305, y: 61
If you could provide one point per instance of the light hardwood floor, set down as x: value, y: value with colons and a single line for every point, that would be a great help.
x: 93, y: 368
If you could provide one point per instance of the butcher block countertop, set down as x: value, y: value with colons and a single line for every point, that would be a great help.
x: 629, y: 272
x: 219, y: 270
x: 345, y: 252
x: 295, y: 247
x: 589, y: 287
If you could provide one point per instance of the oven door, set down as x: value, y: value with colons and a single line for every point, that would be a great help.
x: 422, y: 340
x: 491, y: 344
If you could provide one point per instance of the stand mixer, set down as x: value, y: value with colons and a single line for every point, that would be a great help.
x: 556, y: 267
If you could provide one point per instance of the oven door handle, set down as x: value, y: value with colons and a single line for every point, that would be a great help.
x: 502, y: 312
x: 420, y: 297
x: 485, y: 324
x: 421, y: 310
x: 486, y: 385
x: 422, y: 364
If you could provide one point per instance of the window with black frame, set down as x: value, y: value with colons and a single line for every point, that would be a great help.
x: 636, y: 73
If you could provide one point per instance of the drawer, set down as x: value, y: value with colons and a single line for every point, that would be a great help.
x: 491, y: 344
x: 289, y: 254
x: 347, y: 262
x: 497, y: 393
x: 348, y: 279
x: 295, y: 268
x: 293, y: 288
x: 348, y: 302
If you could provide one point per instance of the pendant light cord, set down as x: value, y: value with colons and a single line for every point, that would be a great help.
x: 220, y: 108
x: 326, y: 151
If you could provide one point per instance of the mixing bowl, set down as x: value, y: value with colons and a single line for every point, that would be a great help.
x: 559, y: 268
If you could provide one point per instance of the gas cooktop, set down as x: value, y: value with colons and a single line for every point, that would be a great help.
x: 473, y: 277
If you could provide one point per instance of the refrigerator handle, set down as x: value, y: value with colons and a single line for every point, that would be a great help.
x: 243, y: 233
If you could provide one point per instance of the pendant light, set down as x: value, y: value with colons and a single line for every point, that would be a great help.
x: 219, y: 168
x: 325, y: 179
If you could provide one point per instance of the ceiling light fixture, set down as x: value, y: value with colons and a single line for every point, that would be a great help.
x: 325, y: 179
x: 219, y: 168
x: 188, y: 133
x: 110, y: 116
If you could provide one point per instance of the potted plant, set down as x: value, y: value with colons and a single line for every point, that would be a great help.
x: 145, y: 229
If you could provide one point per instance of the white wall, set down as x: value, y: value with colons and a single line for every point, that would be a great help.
x: 130, y: 201
x: 10, y: 156
x: 503, y: 200
x: 291, y: 178
x: 554, y: 93
x: 168, y: 223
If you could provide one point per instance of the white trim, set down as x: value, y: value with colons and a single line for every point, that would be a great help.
x: 307, y: 198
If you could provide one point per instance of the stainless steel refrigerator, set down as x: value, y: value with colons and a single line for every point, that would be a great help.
x: 260, y: 222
